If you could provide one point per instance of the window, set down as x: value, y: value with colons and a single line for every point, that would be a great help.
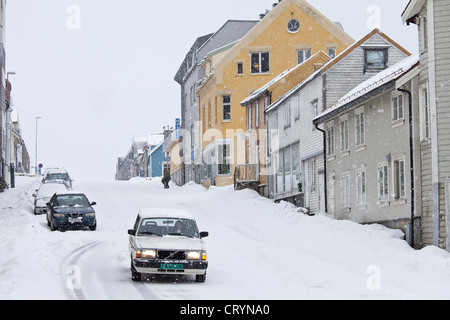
x: 332, y: 52
x: 360, y: 133
x: 249, y: 117
x: 296, y: 172
x: 297, y: 107
x: 383, y: 183
x: 375, y: 59
x: 397, y: 108
x: 240, y: 68
x: 288, y: 175
x: 344, y: 135
x: 287, y: 170
x: 424, y: 33
x: 224, y: 159
x: 260, y: 62
x: 287, y: 114
x: 303, y: 55
x: 425, y: 131
x: 226, y: 105
x: 314, y: 110
x: 361, y: 199
x: 345, y: 191
x: 293, y: 26
x: 330, y: 141
x: 399, y: 179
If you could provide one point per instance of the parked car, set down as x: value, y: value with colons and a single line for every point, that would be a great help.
x: 70, y: 210
x: 57, y: 175
x: 167, y: 241
x: 44, y: 194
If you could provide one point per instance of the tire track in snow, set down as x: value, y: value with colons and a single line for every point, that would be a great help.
x: 72, y: 291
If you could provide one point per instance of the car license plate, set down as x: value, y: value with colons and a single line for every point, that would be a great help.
x: 75, y: 220
x: 172, y: 266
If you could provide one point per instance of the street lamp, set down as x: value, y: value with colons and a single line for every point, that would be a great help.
x: 36, y: 163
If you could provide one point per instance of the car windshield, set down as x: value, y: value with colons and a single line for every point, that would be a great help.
x: 71, y: 200
x: 168, y: 227
x: 57, y: 176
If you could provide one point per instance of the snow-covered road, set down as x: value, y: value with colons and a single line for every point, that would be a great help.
x: 256, y: 250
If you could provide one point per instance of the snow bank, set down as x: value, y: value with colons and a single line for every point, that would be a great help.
x: 257, y: 249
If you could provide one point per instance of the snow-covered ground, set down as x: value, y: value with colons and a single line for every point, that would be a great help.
x: 256, y: 250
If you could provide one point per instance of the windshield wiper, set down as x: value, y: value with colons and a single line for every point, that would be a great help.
x: 179, y: 234
x: 148, y: 232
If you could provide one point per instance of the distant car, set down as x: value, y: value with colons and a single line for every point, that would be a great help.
x: 44, y: 194
x: 70, y: 210
x: 167, y: 241
x: 57, y: 175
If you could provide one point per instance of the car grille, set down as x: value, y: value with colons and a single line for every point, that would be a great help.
x: 171, y: 255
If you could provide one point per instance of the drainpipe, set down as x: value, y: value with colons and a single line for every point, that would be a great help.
x: 324, y: 164
x: 411, y: 159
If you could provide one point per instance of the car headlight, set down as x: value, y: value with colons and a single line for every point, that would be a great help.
x: 58, y: 215
x: 196, y: 255
x: 146, y: 253
x: 90, y: 214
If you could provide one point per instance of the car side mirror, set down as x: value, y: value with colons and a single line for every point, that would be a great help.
x: 48, y: 204
x: 131, y: 232
x: 93, y: 203
x: 204, y: 234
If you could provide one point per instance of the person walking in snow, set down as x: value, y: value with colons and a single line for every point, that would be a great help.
x: 166, y: 179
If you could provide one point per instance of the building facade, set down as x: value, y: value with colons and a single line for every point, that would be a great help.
x: 431, y: 17
x: 292, y: 29
x: 296, y: 146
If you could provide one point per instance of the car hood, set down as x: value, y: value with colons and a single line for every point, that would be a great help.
x: 170, y: 243
x: 73, y: 210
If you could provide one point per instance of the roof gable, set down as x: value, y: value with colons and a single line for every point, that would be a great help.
x: 272, y: 16
x: 354, y: 46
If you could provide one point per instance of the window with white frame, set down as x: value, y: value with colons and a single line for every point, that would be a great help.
x: 345, y: 190
x: 383, y: 182
x: 249, y: 117
x: 287, y: 113
x: 296, y: 100
x: 226, y: 108
x: 224, y: 159
x: 344, y: 135
x: 303, y: 55
x: 260, y: 62
x: 360, y: 128
x: 425, y: 132
x: 314, y: 110
x: 330, y: 140
x: 399, y: 178
x: 361, y: 199
x: 331, y: 52
x: 397, y: 108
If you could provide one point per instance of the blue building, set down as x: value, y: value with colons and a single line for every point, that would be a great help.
x: 157, y: 161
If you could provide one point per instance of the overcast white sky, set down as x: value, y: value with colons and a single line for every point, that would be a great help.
x: 98, y: 86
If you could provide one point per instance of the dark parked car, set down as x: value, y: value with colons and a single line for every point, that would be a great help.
x: 70, y: 211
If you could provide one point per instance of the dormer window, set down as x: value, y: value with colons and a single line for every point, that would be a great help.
x: 375, y: 59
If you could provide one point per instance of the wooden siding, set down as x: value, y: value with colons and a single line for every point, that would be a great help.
x: 349, y: 72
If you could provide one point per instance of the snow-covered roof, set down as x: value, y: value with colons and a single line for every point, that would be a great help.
x: 261, y: 90
x: 293, y: 90
x: 390, y: 74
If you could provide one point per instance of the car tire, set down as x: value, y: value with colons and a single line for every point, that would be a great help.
x: 94, y: 227
x: 200, y: 277
x: 135, y: 276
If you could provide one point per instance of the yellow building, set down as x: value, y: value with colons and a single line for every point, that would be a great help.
x: 291, y: 33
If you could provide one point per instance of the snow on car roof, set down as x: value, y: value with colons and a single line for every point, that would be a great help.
x: 165, y: 213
